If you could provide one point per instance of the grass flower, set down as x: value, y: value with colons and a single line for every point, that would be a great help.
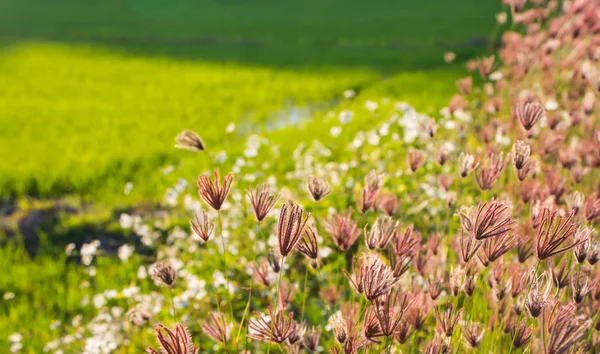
x: 278, y: 331
x: 389, y: 204
x: 473, y: 334
x: 212, y: 192
x: 216, y: 327
x: 565, y: 328
x: 373, y: 278
x: 262, y: 201
x: 165, y: 273
x: 467, y: 164
x: 489, y: 173
x: 489, y: 219
x: 448, y: 319
x: 553, y: 232
x: 319, y: 188
x: 189, y: 140
x: 176, y: 341
x: 383, y: 230
x: 520, y: 154
x: 290, y: 227
x: 204, y: 228
x: 537, y: 300
x: 528, y: 113
x: 343, y: 230
x: 308, y: 243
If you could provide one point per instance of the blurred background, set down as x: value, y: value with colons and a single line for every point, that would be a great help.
x: 93, y: 92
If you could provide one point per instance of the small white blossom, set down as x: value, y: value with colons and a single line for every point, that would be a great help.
x: 128, y: 188
x: 230, y: 128
x: 335, y: 131
x: 124, y: 252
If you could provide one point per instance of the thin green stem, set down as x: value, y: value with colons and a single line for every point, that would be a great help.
x: 257, y: 238
x: 305, y: 292
x: 173, y: 305
x: 225, y: 268
x: 542, y: 329
x: 276, y: 304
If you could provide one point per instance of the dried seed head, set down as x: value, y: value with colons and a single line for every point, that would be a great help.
x: 262, y: 201
x: 212, y: 192
x: 457, y: 276
x: 464, y: 85
x: 467, y: 164
x: 390, y: 311
x: 436, y: 346
x: 368, y: 196
x: 490, y: 219
x: 594, y: 253
x: 581, y: 285
x: 473, y: 334
x: 443, y: 154
x: 565, y: 328
x: 308, y: 243
x: 371, y: 326
x: 311, y: 339
x: 338, y: 325
x: 290, y: 227
x: 531, y: 167
x: 138, y: 317
x: 470, y: 282
x: 274, y: 261
x: 343, y: 230
x: 189, y: 140
x: 520, y: 154
x: 406, y: 244
x: 451, y: 198
x: 429, y: 127
x: 560, y: 275
x: 276, y: 328
x: 382, y: 231
x: 389, y: 204
x: 204, y: 228
x: 553, y: 232
x: 296, y: 334
x: 177, y: 341
x: 489, y: 173
x: 415, y: 159
x: 521, y: 334
x: 583, y: 240
x: 286, y: 294
x: 592, y: 207
x: 528, y: 113
x: 164, y: 272
x: 575, y: 201
x: 435, y: 288
x: 261, y: 273
x: 540, y: 286
x: 319, y: 188
x: 216, y: 328
x: 485, y: 66
x: 448, y: 319
x: 495, y: 247
x: 555, y: 182
x: 373, y: 278
x: 403, y: 332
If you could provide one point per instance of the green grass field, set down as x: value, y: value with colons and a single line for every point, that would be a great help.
x: 92, y: 95
x: 88, y: 91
